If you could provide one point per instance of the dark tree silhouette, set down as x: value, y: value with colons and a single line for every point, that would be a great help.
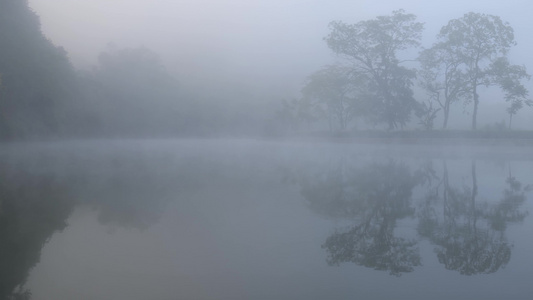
x: 37, y: 80
x: 32, y: 208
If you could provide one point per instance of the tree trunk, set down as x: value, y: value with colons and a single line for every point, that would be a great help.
x: 474, y: 114
x: 476, y: 96
x: 446, y: 114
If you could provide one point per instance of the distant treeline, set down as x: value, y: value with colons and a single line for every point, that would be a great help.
x: 129, y: 92
x: 37, y: 80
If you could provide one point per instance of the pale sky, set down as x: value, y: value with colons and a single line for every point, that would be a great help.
x: 269, y: 42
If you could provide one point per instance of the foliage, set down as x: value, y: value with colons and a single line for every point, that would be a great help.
x: 427, y: 114
x: 37, y: 78
x: 509, y: 77
x: 336, y: 92
x: 372, y: 48
x: 442, y: 77
x: 129, y: 92
x: 476, y: 46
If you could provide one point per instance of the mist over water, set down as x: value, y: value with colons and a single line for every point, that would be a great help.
x: 216, y: 68
x: 241, y: 219
x: 265, y: 149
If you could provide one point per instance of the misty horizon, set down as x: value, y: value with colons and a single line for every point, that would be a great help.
x: 267, y: 49
x: 233, y: 149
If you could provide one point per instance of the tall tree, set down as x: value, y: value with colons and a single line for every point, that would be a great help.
x: 335, y: 89
x: 372, y: 47
x: 131, y: 93
x: 37, y: 77
x: 509, y: 77
x: 442, y: 77
x: 479, y: 40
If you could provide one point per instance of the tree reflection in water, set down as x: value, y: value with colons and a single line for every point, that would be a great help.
x: 31, y: 210
x: 470, y: 236
x: 376, y: 197
x: 34, y: 205
x: 508, y: 209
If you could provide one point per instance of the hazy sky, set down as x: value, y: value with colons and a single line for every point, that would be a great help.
x: 273, y: 43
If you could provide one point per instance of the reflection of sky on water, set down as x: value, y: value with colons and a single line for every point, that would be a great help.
x: 211, y: 220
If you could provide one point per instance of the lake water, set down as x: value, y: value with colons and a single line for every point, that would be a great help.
x: 251, y: 219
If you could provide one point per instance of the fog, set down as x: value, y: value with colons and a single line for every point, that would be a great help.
x: 265, y: 149
x: 242, y: 219
x: 265, y: 49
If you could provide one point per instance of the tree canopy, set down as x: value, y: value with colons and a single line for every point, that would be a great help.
x: 372, y: 81
x: 129, y: 92
x: 372, y: 47
x: 336, y: 92
x: 37, y: 77
x: 476, y: 47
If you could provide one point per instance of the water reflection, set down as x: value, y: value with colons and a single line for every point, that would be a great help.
x: 508, y: 209
x: 376, y: 196
x: 382, y: 208
x: 38, y: 193
x: 37, y: 199
x: 469, y: 235
x: 31, y: 210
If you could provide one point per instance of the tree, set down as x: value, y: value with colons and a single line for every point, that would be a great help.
x: 442, y: 77
x: 130, y: 92
x: 372, y: 47
x: 296, y: 111
x: 38, y: 80
x: 514, y: 107
x: 509, y: 78
x: 337, y: 91
x: 477, y: 41
x: 427, y: 114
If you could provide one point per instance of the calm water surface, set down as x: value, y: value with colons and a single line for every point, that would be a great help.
x: 240, y: 219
